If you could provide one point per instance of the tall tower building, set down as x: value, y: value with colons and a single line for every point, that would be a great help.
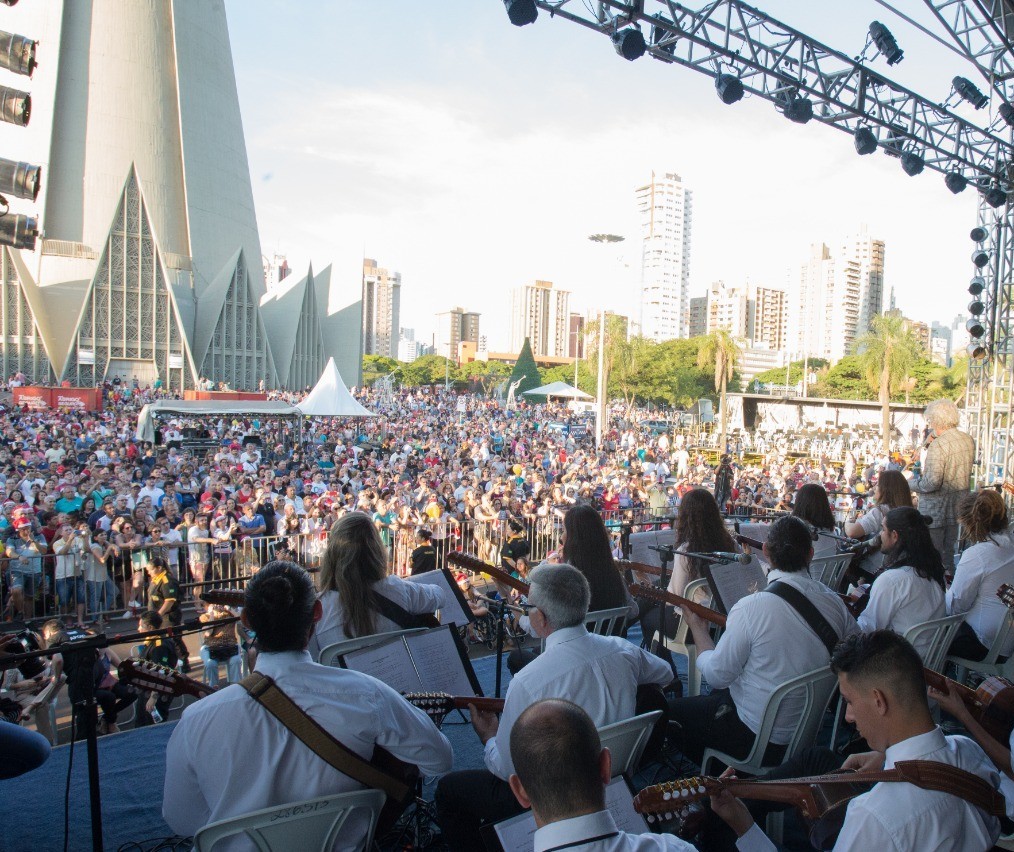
x: 729, y: 309
x: 455, y: 327
x: 665, y: 206
x: 151, y: 265
x: 542, y: 314
x: 767, y: 318
x: 381, y: 310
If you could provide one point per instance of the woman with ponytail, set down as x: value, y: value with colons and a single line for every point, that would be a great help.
x: 986, y: 564
x: 910, y: 589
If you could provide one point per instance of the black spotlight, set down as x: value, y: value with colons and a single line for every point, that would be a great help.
x: 19, y: 179
x: 886, y: 43
x: 980, y: 258
x: 1007, y: 113
x: 629, y: 43
x: 729, y: 88
x: 15, y: 106
x: 795, y: 108
x: 995, y: 197
x: 912, y: 163
x: 975, y: 327
x: 866, y: 141
x: 521, y: 12
x: 975, y: 308
x: 970, y: 92
x: 17, y: 53
x: 978, y: 234
x: 976, y: 350
x: 9, y: 2
x: 19, y: 231
x: 955, y: 182
x: 977, y: 285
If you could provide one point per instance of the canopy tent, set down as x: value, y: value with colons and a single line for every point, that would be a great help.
x: 206, y: 408
x: 560, y: 389
x: 331, y: 398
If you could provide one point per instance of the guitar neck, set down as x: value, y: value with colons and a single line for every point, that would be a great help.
x: 708, y: 614
x: 463, y: 560
x: 750, y: 542
x: 487, y: 705
x: 638, y: 567
x: 945, y: 684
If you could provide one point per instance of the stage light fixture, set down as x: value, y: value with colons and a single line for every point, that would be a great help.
x: 978, y: 234
x: 795, y: 108
x: 629, y: 43
x: 995, y: 197
x: 912, y: 163
x: 955, y: 182
x: 19, y: 231
x: 521, y: 12
x: 976, y: 308
x: 9, y: 2
x: 980, y: 257
x: 21, y: 180
x: 15, y: 106
x: 977, y: 285
x: 866, y: 141
x: 970, y: 92
x: 977, y: 350
x: 884, y: 39
x: 1007, y: 113
x: 975, y: 327
x: 17, y: 53
x: 729, y: 88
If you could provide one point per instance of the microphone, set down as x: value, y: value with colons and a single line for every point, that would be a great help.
x: 741, y: 558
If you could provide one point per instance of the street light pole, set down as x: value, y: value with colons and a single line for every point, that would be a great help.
x: 600, y: 403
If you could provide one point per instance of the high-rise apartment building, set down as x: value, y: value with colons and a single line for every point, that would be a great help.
x: 381, y: 310
x: 749, y: 312
x: 665, y: 206
x: 455, y: 327
x: 767, y: 318
x: 833, y: 297
x: 698, y: 316
x: 276, y: 270
x: 728, y: 309
x: 575, y: 340
x: 542, y: 314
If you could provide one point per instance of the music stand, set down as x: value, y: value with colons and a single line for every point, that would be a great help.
x: 666, y: 554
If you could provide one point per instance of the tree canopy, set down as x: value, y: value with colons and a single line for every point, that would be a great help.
x: 526, y: 370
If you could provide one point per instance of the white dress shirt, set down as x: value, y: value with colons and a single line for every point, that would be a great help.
x: 569, y: 833
x: 228, y: 755
x: 598, y: 673
x: 899, y: 817
x: 900, y: 599
x: 766, y: 643
x: 413, y: 597
x: 982, y: 569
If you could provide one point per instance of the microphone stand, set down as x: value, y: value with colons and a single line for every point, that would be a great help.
x: 666, y: 554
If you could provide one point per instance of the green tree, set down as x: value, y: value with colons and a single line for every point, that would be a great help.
x: 486, y: 374
x: 375, y: 366
x: 887, y: 352
x: 845, y: 380
x: 428, y: 370
x: 718, y: 349
x: 526, y: 370
x: 776, y: 375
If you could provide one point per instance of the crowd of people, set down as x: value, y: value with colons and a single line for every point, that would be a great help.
x: 98, y: 523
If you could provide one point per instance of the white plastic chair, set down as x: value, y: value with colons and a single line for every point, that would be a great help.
x: 679, y: 645
x: 626, y: 740
x: 829, y: 569
x: 307, y: 826
x: 329, y: 655
x: 939, y: 633
x: 988, y: 665
x: 603, y: 622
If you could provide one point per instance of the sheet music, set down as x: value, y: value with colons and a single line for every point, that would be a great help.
x: 517, y: 834
x: 453, y: 610
x: 391, y: 663
x: 758, y: 532
x: 438, y: 663
x: 734, y: 581
x: 640, y: 544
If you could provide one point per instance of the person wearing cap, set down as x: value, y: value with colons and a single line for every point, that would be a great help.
x: 24, y: 568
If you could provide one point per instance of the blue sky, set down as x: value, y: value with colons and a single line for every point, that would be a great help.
x: 473, y: 156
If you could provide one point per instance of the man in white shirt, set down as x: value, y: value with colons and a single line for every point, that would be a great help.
x: 881, y: 680
x: 766, y: 643
x: 599, y: 673
x: 214, y: 772
x: 151, y: 490
x: 560, y: 773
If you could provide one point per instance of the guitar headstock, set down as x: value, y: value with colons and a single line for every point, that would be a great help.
x: 436, y: 705
x: 224, y: 597
x: 664, y: 801
x: 466, y: 560
x: 153, y: 677
x: 1006, y: 594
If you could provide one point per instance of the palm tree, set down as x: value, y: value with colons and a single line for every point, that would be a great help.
x: 719, y: 349
x: 888, y: 351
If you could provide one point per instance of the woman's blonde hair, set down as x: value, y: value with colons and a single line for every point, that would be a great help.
x: 982, y: 514
x: 354, y: 560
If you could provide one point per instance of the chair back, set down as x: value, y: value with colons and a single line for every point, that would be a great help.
x: 829, y: 569
x: 1002, y: 635
x: 607, y: 622
x: 329, y: 655
x: 933, y: 638
x: 626, y: 740
x: 309, y: 826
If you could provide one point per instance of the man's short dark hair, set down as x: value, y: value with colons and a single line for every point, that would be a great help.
x: 555, y: 748
x: 151, y: 619
x: 789, y: 544
x: 882, y: 659
x: 279, y: 606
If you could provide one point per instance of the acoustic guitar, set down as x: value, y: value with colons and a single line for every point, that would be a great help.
x: 224, y: 597
x: 476, y: 565
x: 437, y: 705
x: 653, y: 593
x: 152, y: 677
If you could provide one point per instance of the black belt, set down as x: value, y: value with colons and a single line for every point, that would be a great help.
x: 583, y: 842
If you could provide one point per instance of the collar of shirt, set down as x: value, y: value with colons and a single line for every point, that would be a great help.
x: 566, y: 634
x: 274, y: 664
x: 914, y: 747
x: 574, y: 830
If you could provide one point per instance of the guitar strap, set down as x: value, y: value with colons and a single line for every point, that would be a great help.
x: 265, y: 692
x: 398, y: 614
x: 807, y: 611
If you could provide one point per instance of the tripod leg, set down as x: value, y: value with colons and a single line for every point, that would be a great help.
x: 88, y: 715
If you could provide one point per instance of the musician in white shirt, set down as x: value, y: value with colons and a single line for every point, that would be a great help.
x: 229, y: 755
x: 881, y: 679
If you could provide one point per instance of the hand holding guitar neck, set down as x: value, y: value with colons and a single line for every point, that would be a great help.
x: 652, y: 593
x: 437, y: 705
x: 471, y: 563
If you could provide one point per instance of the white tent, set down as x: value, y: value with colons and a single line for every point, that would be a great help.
x: 560, y: 389
x: 331, y: 398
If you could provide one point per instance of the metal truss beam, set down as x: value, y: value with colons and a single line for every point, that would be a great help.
x: 771, y: 59
x: 983, y: 30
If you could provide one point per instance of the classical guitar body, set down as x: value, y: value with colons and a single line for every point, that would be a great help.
x: 991, y: 704
x: 408, y: 774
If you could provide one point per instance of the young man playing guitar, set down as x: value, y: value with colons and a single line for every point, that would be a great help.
x: 230, y: 755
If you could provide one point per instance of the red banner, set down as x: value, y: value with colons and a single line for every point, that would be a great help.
x: 67, y: 399
x: 36, y: 399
